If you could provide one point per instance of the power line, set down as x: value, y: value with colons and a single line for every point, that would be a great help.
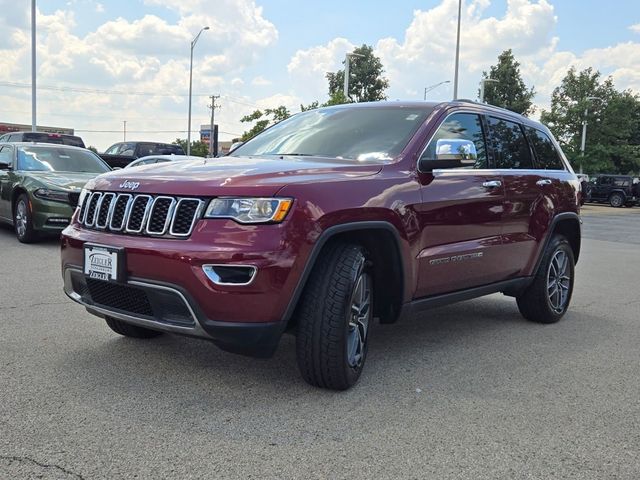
x: 119, y: 92
x: 148, y: 131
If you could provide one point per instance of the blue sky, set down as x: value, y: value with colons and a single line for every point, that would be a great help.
x: 271, y: 52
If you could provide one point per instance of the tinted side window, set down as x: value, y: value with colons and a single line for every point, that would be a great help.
x: 6, y: 154
x: 547, y: 157
x: 465, y: 126
x: 605, y: 181
x: 621, y: 182
x: 509, y: 145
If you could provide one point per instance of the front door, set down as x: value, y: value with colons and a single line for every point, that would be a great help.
x: 460, y: 216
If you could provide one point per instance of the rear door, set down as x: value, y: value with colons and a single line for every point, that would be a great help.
x: 460, y: 216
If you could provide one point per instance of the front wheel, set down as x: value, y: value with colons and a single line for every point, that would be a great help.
x: 334, y: 318
x: 546, y: 300
x: 23, y: 220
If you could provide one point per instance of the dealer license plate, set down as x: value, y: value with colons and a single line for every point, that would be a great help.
x: 103, y: 262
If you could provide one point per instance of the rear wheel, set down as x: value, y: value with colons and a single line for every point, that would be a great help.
x: 128, y: 330
x: 616, y: 200
x: 546, y: 300
x: 334, y: 318
x: 23, y: 220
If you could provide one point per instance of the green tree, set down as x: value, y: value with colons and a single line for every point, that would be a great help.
x: 269, y: 117
x: 366, y: 81
x: 510, y: 91
x: 613, y: 122
x: 92, y: 148
x: 198, y: 148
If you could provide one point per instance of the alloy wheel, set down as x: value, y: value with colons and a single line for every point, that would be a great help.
x: 21, y: 219
x: 359, y: 318
x: 559, y: 281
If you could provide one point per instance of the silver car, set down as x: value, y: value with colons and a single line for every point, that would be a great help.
x: 148, y: 160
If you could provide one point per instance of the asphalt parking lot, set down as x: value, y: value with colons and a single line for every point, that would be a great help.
x: 467, y: 391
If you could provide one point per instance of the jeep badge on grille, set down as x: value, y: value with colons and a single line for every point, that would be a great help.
x: 129, y: 185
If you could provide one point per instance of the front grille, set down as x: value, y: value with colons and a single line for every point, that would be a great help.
x: 140, y: 214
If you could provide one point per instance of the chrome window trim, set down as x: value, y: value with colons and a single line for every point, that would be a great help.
x: 111, y: 205
x: 145, y: 215
x: 196, y: 216
x: 169, y: 218
x: 124, y: 215
x: 486, y: 141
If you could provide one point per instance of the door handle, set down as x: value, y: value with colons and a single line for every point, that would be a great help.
x: 544, y: 181
x: 492, y: 184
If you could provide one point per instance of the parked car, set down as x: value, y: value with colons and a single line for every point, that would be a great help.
x: 327, y: 220
x: 40, y: 185
x: 616, y: 190
x: 43, y: 137
x: 119, y: 155
x: 154, y: 159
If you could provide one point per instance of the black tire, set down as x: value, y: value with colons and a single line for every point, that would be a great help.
x: 332, y: 339
x: 23, y: 220
x: 616, y: 200
x: 128, y: 330
x: 539, y: 303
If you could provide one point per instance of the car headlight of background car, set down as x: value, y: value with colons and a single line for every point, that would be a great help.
x: 52, y: 195
x: 249, y: 210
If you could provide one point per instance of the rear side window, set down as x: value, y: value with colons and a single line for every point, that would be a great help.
x: 621, y: 182
x: 509, y: 145
x: 547, y: 157
x: 463, y: 126
x: 6, y: 154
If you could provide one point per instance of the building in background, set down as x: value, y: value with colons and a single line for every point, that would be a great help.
x: 17, y: 127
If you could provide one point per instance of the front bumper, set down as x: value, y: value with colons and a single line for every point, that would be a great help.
x: 50, y: 216
x: 247, y: 319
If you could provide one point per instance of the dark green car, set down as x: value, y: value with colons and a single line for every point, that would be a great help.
x: 40, y: 185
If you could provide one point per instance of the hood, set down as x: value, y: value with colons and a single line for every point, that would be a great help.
x: 255, y: 176
x: 73, y: 181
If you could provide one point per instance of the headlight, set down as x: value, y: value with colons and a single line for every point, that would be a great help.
x: 249, y: 210
x: 52, y: 195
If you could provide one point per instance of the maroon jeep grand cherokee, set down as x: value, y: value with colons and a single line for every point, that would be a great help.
x: 326, y: 221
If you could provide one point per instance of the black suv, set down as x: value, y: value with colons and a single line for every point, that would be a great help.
x: 616, y: 190
x: 43, y: 137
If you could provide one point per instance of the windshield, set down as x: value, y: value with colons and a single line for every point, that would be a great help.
x: 364, y: 134
x: 57, y: 159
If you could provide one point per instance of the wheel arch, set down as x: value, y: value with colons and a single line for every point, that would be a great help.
x: 382, y: 243
x: 17, y: 191
x: 567, y: 224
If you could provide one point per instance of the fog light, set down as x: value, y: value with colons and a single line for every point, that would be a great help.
x: 58, y: 221
x: 237, y: 275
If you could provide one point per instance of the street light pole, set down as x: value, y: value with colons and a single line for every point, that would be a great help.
x: 33, y: 66
x: 584, y: 129
x: 346, y: 72
x: 193, y: 44
x: 455, y: 77
x: 431, y: 87
x: 482, y: 82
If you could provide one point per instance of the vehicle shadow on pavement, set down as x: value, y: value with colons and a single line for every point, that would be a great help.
x: 45, y: 240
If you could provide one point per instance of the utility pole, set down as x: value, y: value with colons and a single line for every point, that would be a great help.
x: 346, y: 72
x: 584, y: 128
x: 124, y: 130
x: 33, y: 66
x: 455, y: 77
x: 213, y: 107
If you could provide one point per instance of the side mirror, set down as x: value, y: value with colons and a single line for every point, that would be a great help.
x: 451, y: 153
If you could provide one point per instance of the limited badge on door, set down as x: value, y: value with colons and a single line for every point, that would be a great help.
x: 104, y: 263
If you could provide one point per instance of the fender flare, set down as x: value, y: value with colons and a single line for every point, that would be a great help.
x: 557, y: 219
x: 321, y: 241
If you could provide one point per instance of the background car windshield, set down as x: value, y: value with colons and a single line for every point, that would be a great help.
x: 365, y: 134
x: 55, y: 159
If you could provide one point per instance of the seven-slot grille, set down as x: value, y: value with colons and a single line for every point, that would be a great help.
x: 140, y: 214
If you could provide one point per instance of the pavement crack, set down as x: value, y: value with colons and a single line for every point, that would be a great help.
x: 46, y: 466
x: 39, y: 304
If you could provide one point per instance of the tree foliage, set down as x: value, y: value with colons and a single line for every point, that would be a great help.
x: 613, y: 122
x: 198, y: 148
x: 510, y: 92
x: 263, y: 119
x: 366, y: 80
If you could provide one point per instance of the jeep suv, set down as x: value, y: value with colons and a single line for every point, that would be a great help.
x: 616, y: 190
x: 329, y: 220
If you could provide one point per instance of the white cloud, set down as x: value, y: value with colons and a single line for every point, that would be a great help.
x: 260, y: 81
x: 635, y: 28
x: 99, y: 8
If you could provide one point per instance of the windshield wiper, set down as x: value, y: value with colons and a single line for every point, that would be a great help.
x: 294, y: 154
